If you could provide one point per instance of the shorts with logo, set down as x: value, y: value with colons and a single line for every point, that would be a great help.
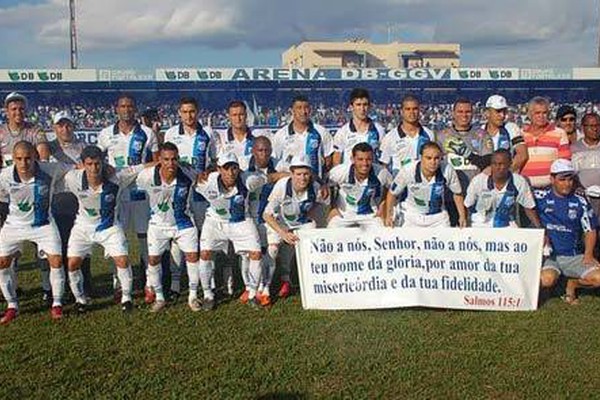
x: 416, y: 220
x: 160, y: 237
x: 216, y: 235
x: 45, y: 237
x: 84, y: 237
x: 569, y: 266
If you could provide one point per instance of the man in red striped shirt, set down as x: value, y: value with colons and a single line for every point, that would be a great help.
x: 545, y: 143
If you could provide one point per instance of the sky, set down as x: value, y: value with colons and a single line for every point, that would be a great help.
x: 148, y: 34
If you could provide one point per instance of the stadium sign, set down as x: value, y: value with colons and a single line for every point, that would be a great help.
x: 489, y: 74
x: 537, y: 74
x: 124, y: 75
x: 47, y: 75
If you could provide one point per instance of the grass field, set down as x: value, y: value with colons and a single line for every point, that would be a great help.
x: 286, y: 352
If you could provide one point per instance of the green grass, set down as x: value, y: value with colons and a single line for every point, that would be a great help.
x: 237, y: 352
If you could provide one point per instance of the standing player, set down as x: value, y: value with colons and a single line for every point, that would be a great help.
x: 228, y: 219
x: 169, y: 191
x: 362, y: 190
x: 28, y: 186
x: 425, y: 182
x: 97, y: 195
x: 403, y: 144
x: 126, y: 143
x: 360, y: 129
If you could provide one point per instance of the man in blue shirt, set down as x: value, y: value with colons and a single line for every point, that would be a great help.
x: 571, y: 231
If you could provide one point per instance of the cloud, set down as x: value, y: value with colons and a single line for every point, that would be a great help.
x: 511, y: 32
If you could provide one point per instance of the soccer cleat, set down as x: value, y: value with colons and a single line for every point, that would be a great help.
x: 56, y: 312
x: 127, y: 307
x: 80, y: 308
x: 208, y: 304
x: 47, y: 298
x: 284, y: 290
x: 263, y: 299
x: 158, y: 306
x: 9, y: 315
x: 244, y: 297
x: 149, y: 295
x: 118, y: 293
x: 195, y: 305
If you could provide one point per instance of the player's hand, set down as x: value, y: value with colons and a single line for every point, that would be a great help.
x: 389, y: 221
x: 462, y: 221
x: 289, y: 237
x: 324, y: 191
x: 590, y: 262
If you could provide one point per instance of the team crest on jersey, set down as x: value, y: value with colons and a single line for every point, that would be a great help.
x: 314, y: 144
x: 110, y: 198
x: 238, y: 199
x: 43, y: 190
x: 137, y: 145
x: 572, y: 214
x: 212, y: 194
x: 201, y: 146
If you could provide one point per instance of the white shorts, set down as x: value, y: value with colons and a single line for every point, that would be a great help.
x: 84, y: 237
x: 217, y: 234
x: 415, y: 220
x: 45, y: 237
x: 364, y: 221
x: 159, y: 239
x: 274, y: 238
x: 136, y: 213
x: 198, y: 209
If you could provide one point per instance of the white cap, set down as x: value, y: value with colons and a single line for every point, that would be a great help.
x: 496, y: 102
x: 300, y: 161
x: 562, y: 166
x: 14, y: 96
x: 62, y: 115
x: 227, y: 158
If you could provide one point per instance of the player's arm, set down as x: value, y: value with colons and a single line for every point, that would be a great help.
x: 336, y: 158
x: 533, y: 216
x: 382, y: 208
x: 520, y: 158
x: 459, y: 200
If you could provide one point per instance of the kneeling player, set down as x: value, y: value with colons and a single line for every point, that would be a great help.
x: 424, y: 183
x: 362, y: 189
x: 169, y: 190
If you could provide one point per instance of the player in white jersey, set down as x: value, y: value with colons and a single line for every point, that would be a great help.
x: 127, y: 143
x: 403, y: 144
x: 302, y: 137
x: 494, y: 197
x: 28, y: 184
x: 360, y: 129
x: 362, y: 190
x: 97, y: 195
x: 228, y: 219
x: 424, y: 183
x: 292, y: 205
x: 169, y: 189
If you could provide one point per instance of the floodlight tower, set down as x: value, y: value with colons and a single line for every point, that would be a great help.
x: 73, y: 34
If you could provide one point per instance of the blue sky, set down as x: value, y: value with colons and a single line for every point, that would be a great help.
x: 146, y: 34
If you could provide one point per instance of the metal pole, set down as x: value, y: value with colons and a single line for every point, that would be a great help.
x: 73, y: 34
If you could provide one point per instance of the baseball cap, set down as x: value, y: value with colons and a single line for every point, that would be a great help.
x: 14, y: 96
x: 227, y: 158
x: 562, y: 167
x: 496, y: 102
x: 565, y: 110
x: 300, y: 161
x: 62, y: 115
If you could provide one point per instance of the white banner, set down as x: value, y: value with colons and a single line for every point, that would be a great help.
x: 475, y: 269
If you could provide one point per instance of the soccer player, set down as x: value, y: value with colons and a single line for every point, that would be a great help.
x: 97, y: 192
x: 496, y: 195
x: 362, y: 190
x: 169, y: 190
x: 403, y: 144
x: 571, y: 228
x: 228, y: 219
x: 425, y: 182
x: 360, y: 129
x: 28, y: 186
x: 126, y: 143
x: 292, y: 205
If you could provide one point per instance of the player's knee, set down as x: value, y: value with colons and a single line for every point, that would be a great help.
x: 255, y: 255
x: 121, y: 262
x: 191, y: 257
x: 205, y: 255
x: 5, y: 262
x: 154, y: 260
x: 548, y: 279
x: 74, y: 263
x: 55, y: 261
x: 593, y: 279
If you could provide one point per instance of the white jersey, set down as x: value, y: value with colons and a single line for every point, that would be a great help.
x: 259, y: 198
x: 423, y: 196
x: 315, y: 143
x: 508, y: 137
x: 348, y: 136
x: 198, y: 150
x: 169, y: 202
x: 359, y: 198
x: 124, y: 150
x: 399, y: 149
x: 495, y: 207
x: 98, y: 207
x: 29, y: 202
x: 230, y: 205
x: 291, y: 207
x: 227, y: 143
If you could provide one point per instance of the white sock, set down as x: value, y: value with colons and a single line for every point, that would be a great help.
x: 254, y: 270
x: 126, y: 278
x: 8, y: 287
x: 154, y: 275
x: 76, y: 285
x: 228, y: 279
x: 45, y: 274
x: 57, y: 281
x: 113, y: 268
x: 211, y: 264
x: 206, y: 274
x: 244, y: 267
x: 193, y: 271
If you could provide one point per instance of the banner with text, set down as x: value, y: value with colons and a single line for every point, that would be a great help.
x: 475, y: 269
x: 47, y: 75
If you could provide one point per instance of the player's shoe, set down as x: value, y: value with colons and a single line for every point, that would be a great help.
x: 9, y: 315
x: 208, y: 304
x: 149, y: 295
x: 263, y: 299
x: 284, y: 290
x: 81, y: 308
x: 56, y: 312
x: 158, y: 306
x: 195, y: 305
x: 127, y: 307
x: 244, y: 297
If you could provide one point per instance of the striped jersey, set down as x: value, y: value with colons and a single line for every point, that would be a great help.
x: 291, y: 207
x: 348, y: 136
x: 544, y: 149
x: 399, y: 149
